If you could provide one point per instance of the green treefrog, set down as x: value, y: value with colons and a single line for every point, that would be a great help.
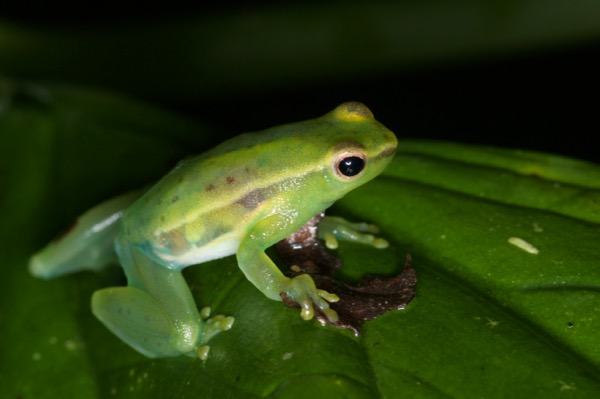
x: 239, y: 198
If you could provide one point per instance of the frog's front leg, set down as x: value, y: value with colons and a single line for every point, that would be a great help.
x: 156, y: 313
x: 260, y: 270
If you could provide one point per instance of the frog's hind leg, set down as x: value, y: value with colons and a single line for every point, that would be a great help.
x: 156, y: 313
x: 136, y: 318
x: 87, y: 245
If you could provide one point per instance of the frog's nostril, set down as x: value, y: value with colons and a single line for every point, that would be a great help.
x: 386, y: 153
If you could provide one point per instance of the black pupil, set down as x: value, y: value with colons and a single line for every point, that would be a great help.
x: 351, y: 166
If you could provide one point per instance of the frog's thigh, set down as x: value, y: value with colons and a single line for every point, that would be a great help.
x: 136, y: 318
x: 156, y: 314
x: 165, y: 285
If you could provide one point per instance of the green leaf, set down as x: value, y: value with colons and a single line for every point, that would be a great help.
x: 490, y: 319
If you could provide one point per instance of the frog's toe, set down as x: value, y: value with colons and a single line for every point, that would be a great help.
x: 307, y: 311
x: 331, y: 315
x: 380, y: 243
x: 216, y: 324
x: 328, y: 296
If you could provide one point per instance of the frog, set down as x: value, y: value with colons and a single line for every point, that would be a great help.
x: 239, y: 198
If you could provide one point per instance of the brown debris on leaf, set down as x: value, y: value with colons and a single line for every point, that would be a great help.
x: 371, y: 297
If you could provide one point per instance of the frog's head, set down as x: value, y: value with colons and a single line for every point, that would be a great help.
x: 355, y: 147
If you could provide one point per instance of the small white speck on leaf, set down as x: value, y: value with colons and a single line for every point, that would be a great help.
x: 564, y: 386
x: 524, y: 245
x: 491, y: 323
x: 73, y: 345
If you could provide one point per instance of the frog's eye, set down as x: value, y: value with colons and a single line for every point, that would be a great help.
x: 350, y: 165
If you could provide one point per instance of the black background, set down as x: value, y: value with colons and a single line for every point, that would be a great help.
x: 545, y: 100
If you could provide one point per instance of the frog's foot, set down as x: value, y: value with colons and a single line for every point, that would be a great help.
x: 216, y: 324
x: 212, y: 327
x: 140, y: 320
x: 302, y: 290
x: 333, y: 228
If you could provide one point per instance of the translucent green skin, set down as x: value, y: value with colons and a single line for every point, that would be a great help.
x: 238, y: 198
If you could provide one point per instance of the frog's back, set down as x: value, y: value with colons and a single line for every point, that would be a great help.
x: 213, y: 189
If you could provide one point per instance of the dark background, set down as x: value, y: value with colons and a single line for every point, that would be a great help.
x: 539, y: 97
